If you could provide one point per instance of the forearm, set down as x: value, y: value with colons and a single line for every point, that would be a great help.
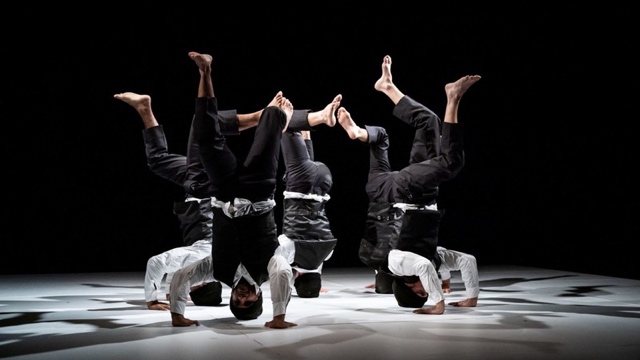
x: 281, y: 283
x: 153, y: 277
x: 194, y: 273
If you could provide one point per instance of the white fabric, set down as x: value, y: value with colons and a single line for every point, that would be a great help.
x: 170, y: 261
x: 183, y: 279
x: 241, y: 272
x: 405, y: 206
x: 297, y: 195
x: 405, y: 263
x: 280, y: 279
x: 465, y: 263
x: 242, y: 207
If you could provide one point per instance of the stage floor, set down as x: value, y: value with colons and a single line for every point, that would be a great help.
x: 523, y: 313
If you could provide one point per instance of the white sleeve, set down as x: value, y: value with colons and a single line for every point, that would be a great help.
x: 466, y: 264
x: 153, y: 276
x: 448, y: 263
x: 194, y: 273
x: 287, y: 248
x: 281, y: 283
x: 405, y: 263
x: 170, y: 261
x: 469, y: 273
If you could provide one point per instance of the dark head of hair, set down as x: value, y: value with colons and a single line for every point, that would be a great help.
x: 208, y: 295
x: 247, y: 313
x: 405, y: 296
x: 308, y: 285
x: 384, y: 282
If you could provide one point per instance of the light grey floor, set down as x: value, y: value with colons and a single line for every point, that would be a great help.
x: 523, y: 313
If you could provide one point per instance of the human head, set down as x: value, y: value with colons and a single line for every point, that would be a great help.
x: 308, y: 285
x: 244, y: 303
x: 406, y: 296
x: 209, y: 294
x: 384, y: 283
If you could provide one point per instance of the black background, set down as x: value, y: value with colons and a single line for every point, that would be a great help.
x: 550, y: 130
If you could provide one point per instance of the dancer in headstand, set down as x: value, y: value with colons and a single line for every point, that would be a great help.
x: 402, y: 224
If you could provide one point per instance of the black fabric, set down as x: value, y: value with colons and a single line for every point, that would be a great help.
x: 419, y: 234
x: 322, y: 179
x: 310, y: 254
x: 305, y: 222
x: 384, y: 282
x: 405, y: 296
x: 172, y: 167
x: 381, y: 233
x: 299, y: 120
x: 305, y: 219
x: 303, y: 174
x: 196, y: 220
x: 248, y: 313
x: 207, y: 295
x: 250, y: 240
x: 308, y: 285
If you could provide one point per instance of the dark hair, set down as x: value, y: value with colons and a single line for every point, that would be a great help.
x: 405, y: 296
x: 247, y: 313
x: 308, y: 285
x: 384, y: 282
x: 208, y: 295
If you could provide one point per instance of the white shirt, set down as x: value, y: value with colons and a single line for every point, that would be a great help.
x: 280, y: 281
x: 455, y: 260
x: 186, y: 277
x: 170, y: 261
x: 405, y: 263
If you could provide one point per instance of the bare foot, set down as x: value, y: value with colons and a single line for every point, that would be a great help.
x: 328, y: 114
x: 370, y: 286
x: 248, y: 121
x: 353, y: 130
x: 386, y: 80
x: 287, y: 107
x: 202, y: 60
x: 180, y: 321
x: 324, y: 290
x: 157, y: 305
x: 276, y: 99
x: 455, y: 90
x: 436, y: 310
x: 139, y: 102
x: 470, y: 302
x: 278, y: 322
x: 325, y: 116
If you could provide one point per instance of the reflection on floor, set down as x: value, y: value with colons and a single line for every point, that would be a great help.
x: 523, y: 313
